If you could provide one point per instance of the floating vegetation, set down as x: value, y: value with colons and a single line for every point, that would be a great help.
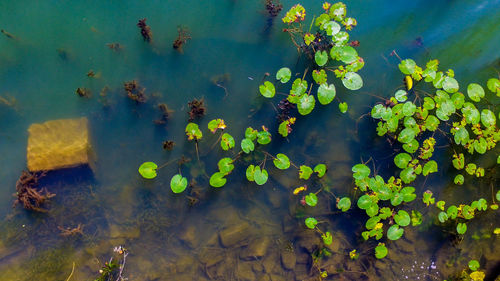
x: 83, y: 92
x: 135, y: 92
x: 146, y: 32
x: 29, y: 195
x: 182, y: 38
x: 197, y: 109
x: 168, y: 145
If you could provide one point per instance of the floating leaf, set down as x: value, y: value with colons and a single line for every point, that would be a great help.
x: 408, y: 194
x: 267, y: 89
x: 250, y: 172
x: 411, y: 147
x: 471, y: 113
x: 321, y: 57
x: 284, y: 74
x: 381, y: 251
x: 193, y: 132
x: 344, y: 204
x: 364, y: 202
x: 343, y: 107
x: 225, y: 165
x: 488, y: 118
x: 401, y: 95
x: 361, y: 171
x: 331, y: 28
x: 247, y: 145
x: 216, y: 124
x: 311, y: 199
x: 263, y: 137
x: 305, y: 172
x: 416, y: 218
x: 394, y: 232
x: 442, y: 217
x: 352, y: 81
x: 319, y: 76
x: 306, y: 104
x: 407, y: 66
x: 348, y: 54
x: 227, y: 141
x: 459, y: 179
x: 408, y: 175
x: 260, y: 176
x: 402, y: 218
x: 311, y: 223
x: 148, y: 170
x: 430, y: 167
x: 320, y: 169
x: 475, y: 92
x: 178, y: 183
x: 461, y: 228
x: 402, y: 159
x: 450, y: 85
x: 251, y: 133
x: 282, y: 161
x: 218, y: 180
x: 431, y: 123
x: 327, y: 238
x: 493, y: 85
x: 473, y: 265
x: 452, y: 212
x: 337, y: 11
x: 461, y: 136
x: 326, y: 93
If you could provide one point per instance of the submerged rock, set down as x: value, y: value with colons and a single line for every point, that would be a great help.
x: 256, y: 249
x: 288, y: 260
x: 234, y: 234
x: 58, y: 144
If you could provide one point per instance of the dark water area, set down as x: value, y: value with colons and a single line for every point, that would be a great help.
x: 185, y: 236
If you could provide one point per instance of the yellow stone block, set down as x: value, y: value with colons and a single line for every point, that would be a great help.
x: 58, y: 144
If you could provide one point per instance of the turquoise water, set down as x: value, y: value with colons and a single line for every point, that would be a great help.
x: 58, y: 42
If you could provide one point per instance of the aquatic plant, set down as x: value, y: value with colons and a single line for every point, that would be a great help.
x: 146, y: 32
x: 29, y: 194
x: 182, y: 38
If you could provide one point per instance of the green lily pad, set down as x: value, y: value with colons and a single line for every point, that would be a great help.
x: 311, y: 223
x: 475, y: 92
x: 311, y: 199
x: 471, y: 114
x: 225, y: 165
x: 217, y: 180
x: 251, y: 133
x: 321, y: 57
x: 361, y: 171
x: 402, y: 159
x: 284, y: 74
x: 319, y: 76
x: 193, y: 132
x: 344, y: 204
x: 402, y: 218
x: 327, y: 238
x: 250, y: 172
x: 488, y: 118
x: 431, y: 123
x: 364, y: 202
x: 260, y: 176
x: 411, y: 147
x: 394, y: 232
x: 407, y: 66
x: 216, y: 124
x: 442, y: 217
x: 408, y: 194
x: 263, y: 137
x: 459, y: 179
x: 282, y: 161
x: 352, y: 81
x: 408, y: 175
x: 343, y: 107
x: 401, y: 95
x: 331, y: 28
x: 305, y: 172
x: 430, y: 167
x: 247, y: 145
x: 450, y: 85
x: 320, y: 169
x: 326, y: 93
x: 406, y: 135
x: 178, y: 183
x: 493, y: 85
x: 348, y: 54
x: 473, y: 265
x: 148, y: 170
x: 452, y: 212
x: 306, y: 104
x: 381, y: 251
x: 227, y: 141
x: 267, y: 89
x: 461, y: 228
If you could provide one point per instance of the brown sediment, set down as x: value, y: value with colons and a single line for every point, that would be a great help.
x: 182, y: 37
x: 146, y: 32
x: 165, y: 114
x: 273, y: 7
x: 28, y: 194
x: 83, y: 92
x: 196, y: 108
x: 135, y: 92
x: 71, y: 231
x: 168, y: 145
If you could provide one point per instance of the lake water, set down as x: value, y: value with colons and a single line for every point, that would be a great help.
x: 170, y: 237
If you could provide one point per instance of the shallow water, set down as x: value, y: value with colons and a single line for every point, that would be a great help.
x: 57, y: 43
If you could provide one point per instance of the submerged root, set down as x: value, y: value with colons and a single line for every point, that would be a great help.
x: 196, y: 108
x: 27, y: 193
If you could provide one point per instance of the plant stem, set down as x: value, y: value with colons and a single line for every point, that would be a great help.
x: 71, y: 274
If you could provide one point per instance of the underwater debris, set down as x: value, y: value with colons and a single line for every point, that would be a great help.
x: 84, y: 92
x: 115, y: 46
x: 8, y: 101
x: 273, y: 8
x: 28, y: 194
x: 71, y: 231
x: 182, y: 37
x: 146, y: 32
x: 168, y: 145
x: 220, y: 81
x: 91, y: 73
x: 8, y: 34
x: 134, y: 91
x: 196, y: 109
x: 284, y: 107
x: 165, y: 114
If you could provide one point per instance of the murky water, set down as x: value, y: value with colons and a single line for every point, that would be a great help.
x: 241, y: 231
